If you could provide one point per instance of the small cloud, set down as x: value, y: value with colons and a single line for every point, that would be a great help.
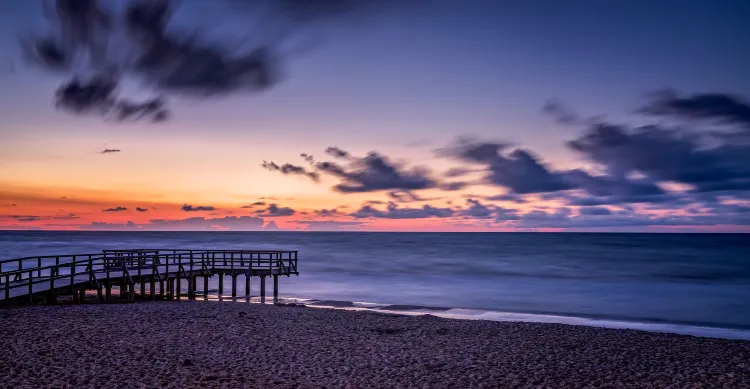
x: 197, y: 208
x: 110, y: 151
x: 115, y: 209
x: 255, y: 204
x: 271, y: 226
x: 274, y: 210
x: 139, y: 209
x: 337, y: 152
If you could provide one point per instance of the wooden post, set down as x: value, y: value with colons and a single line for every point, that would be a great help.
x: 276, y: 288
x: 52, y: 298
x: 161, y: 289
x: 247, y: 285
x: 152, y: 288
x: 143, y: 288
x: 205, y: 287
x: 221, y: 285
x: 123, y: 290
x: 234, y: 286
x: 131, y: 292
x: 100, y: 295
x: 262, y: 289
x: 178, y: 288
x: 170, y: 287
x: 31, y: 284
x: 108, y: 291
x: 82, y: 296
x: 191, y: 288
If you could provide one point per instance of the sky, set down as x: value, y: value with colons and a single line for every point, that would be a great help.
x: 375, y: 115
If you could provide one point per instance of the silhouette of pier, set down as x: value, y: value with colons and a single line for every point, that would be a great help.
x: 139, y: 273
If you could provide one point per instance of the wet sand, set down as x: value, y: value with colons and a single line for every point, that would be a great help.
x: 235, y: 345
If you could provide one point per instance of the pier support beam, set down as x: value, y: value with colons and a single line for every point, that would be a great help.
x: 131, y: 292
x: 262, y: 289
x: 152, y: 289
x: 275, y: 288
x: 100, y: 295
x: 143, y: 288
x: 205, y: 287
x: 191, y: 288
x: 123, y: 290
x: 234, y: 286
x: 161, y: 289
x: 81, y: 296
x: 170, y: 289
x: 247, y: 286
x: 221, y: 285
x: 178, y: 288
x: 108, y: 292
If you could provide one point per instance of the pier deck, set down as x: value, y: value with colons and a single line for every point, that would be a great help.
x: 27, y: 280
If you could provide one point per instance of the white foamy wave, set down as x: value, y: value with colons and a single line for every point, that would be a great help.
x: 712, y: 332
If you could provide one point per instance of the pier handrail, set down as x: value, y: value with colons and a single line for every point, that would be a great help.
x: 124, y: 264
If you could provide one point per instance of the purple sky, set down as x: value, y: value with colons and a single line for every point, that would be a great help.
x: 407, y: 81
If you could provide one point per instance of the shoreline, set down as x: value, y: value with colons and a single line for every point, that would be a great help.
x: 693, y: 329
x: 208, y: 344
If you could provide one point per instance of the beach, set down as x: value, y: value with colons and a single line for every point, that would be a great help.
x: 204, y: 344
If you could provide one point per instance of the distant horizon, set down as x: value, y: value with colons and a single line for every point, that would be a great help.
x: 386, y: 232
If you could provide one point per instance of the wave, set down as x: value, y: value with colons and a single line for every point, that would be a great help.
x: 478, y: 314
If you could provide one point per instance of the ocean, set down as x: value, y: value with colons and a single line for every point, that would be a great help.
x: 685, y: 283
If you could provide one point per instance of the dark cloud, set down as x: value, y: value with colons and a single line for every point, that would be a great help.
x: 288, y: 169
x: 511, y: 197
x: 109, y: 151
x: 374, y: 173
x: 338, y: 153
x: 137, y: 41
x: 197, y: 208
x: 308, y: 158
x: 271, y: 226
x: 666, y: 155
x: 560, y: 112
x: 97, y: 95
x: 139, y: 209
x: 25, y: 218
x: 327, y: 212
x: 274, y: 210
x: 34, y: 218
x: 595, y: 211
x: 564, y: 218
x: 115, y: 209
x: 394, y: 212
x: 477, y: 210
x: 714, y: 107
x: 371, y: 173
x: 457, y: 172
x: 518, y: 170
x: 255, y: 204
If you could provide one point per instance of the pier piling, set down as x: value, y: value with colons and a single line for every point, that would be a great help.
x: 263, y: 289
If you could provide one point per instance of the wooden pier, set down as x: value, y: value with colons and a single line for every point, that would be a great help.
x: 139, y: 272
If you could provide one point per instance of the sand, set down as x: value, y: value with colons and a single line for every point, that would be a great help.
x: 238, y: 345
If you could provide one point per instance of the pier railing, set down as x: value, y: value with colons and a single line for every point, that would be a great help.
x: 29, y: 277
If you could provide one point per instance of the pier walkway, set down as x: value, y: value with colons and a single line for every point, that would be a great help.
x: 31, y: 279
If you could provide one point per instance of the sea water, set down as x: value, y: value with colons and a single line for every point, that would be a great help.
x: 687, y: 283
